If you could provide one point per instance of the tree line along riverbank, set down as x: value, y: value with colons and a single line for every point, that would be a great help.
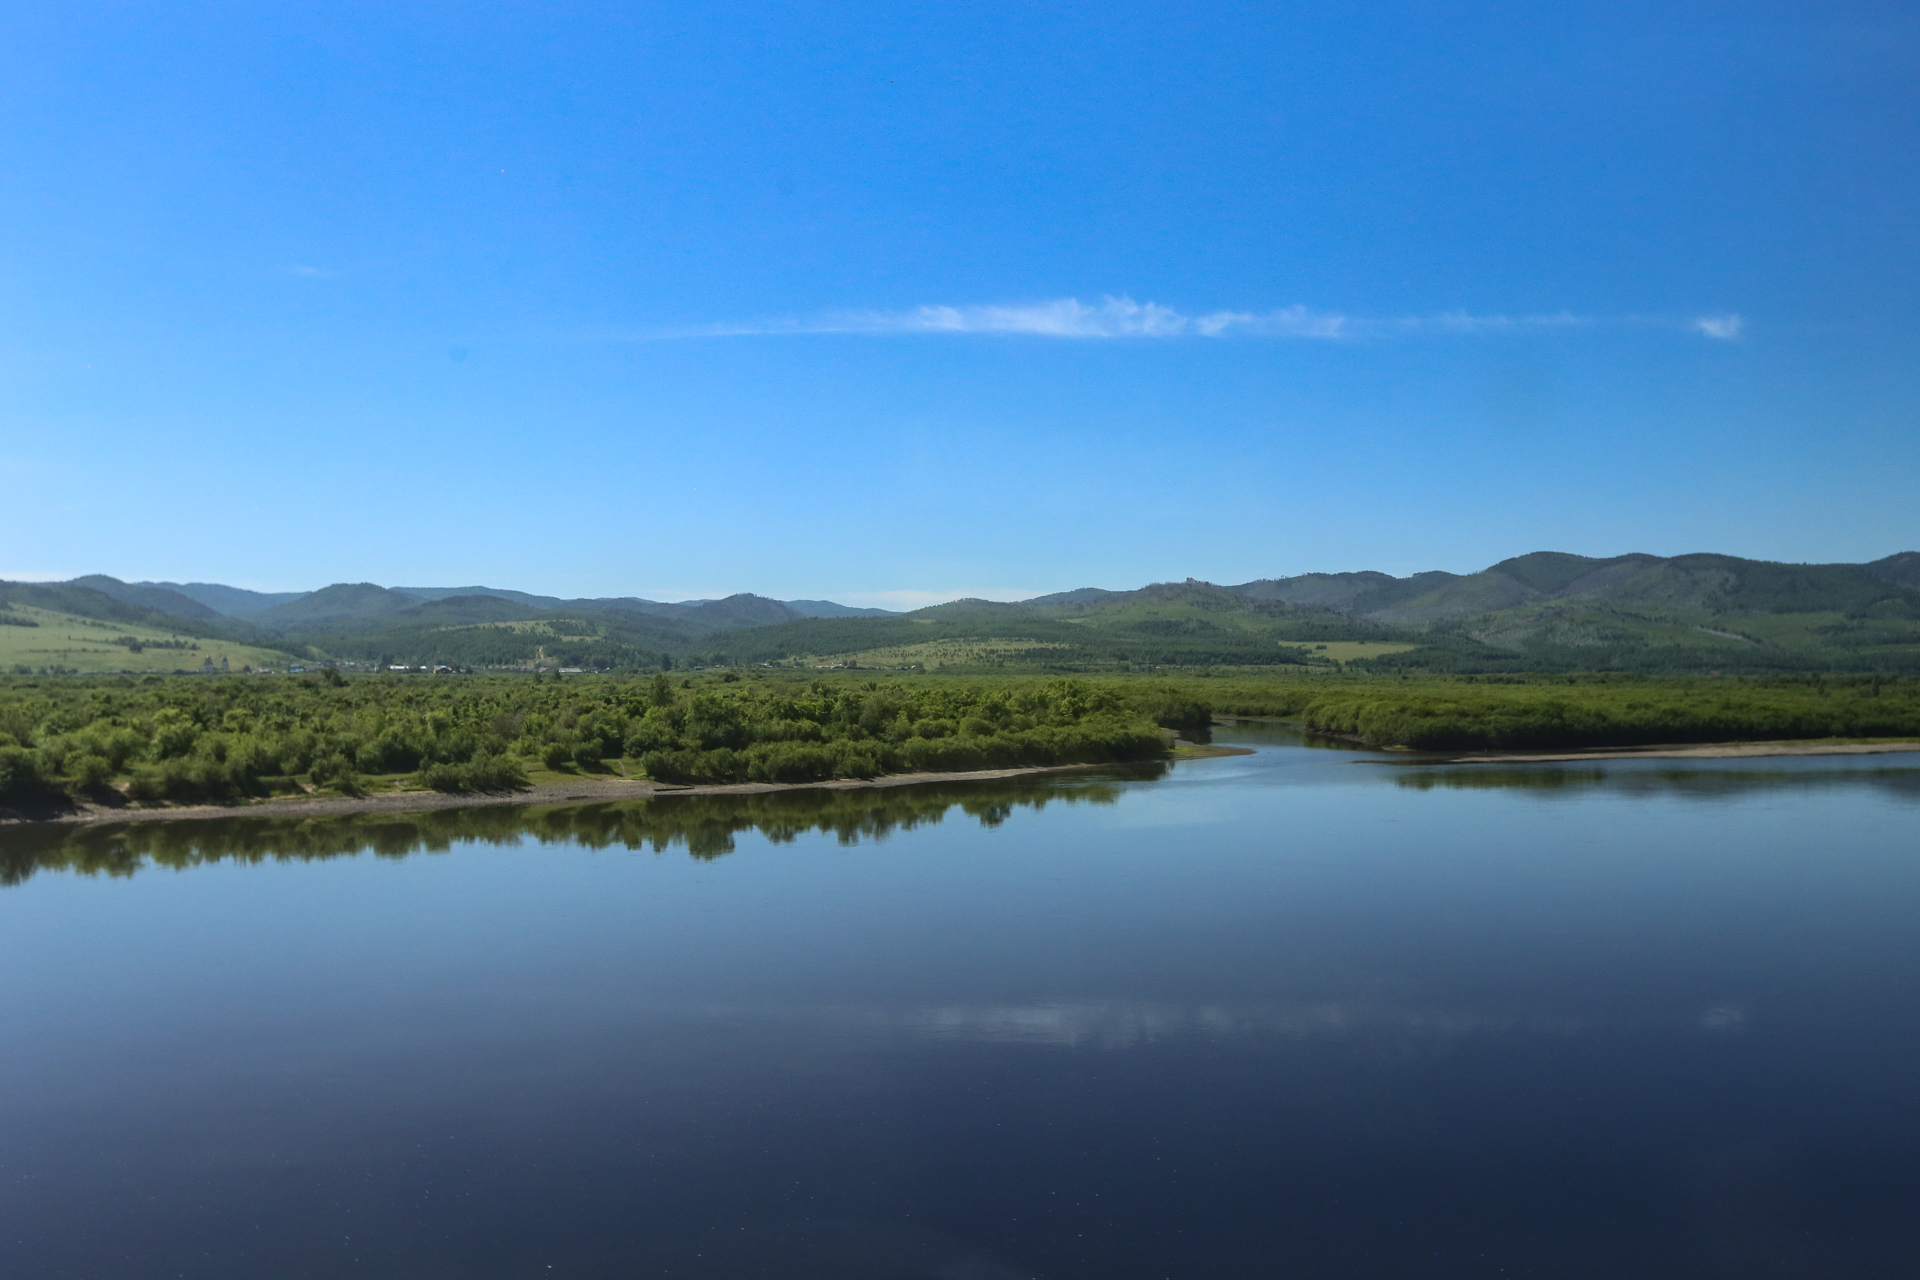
x: 160, y: 739
x: 195, y: 739
x: 1556, y: 711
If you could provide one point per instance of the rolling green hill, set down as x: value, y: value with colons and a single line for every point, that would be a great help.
x: 1548, y: 611
x: 1692, y: 585
x: 147, y: 596
x: 91, y: 603
x: 343, y: 602
x: 1169, y: 624
x: 39, y: 640
x: 231, y: 602
x: 1541, y: 612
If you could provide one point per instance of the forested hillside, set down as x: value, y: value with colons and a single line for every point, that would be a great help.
x: 1547, y: 611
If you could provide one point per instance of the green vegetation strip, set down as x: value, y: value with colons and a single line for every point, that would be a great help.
x: 198, y: 739
x: 202, y: 739
x: 1540, y: 713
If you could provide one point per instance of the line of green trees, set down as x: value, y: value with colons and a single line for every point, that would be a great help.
x: 1443, y: 653
x: 194, y: 739
x: 744, y: 734
x: 187, y: 739
x: 1541, y: 713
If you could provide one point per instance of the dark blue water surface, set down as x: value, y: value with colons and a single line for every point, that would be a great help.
x: 1294, y: 1014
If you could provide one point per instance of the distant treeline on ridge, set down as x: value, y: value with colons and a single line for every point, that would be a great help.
x: 1548, y: 611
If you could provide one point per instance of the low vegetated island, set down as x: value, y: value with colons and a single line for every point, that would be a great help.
x: 159, y: 740
x: 191, y: 739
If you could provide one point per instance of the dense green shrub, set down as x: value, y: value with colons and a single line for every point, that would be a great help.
x: 191, y: 739
x: 1175, y: 709
x: 337, y: 771
x: 790, y: 762
x: 1604, y: 714
x: 482, y: 773
x: 200, y: 778
x: 22, y: 780
x: 90, y: 773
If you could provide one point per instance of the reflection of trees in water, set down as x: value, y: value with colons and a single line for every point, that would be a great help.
x: 704, y: 825
x: 1693, y: 783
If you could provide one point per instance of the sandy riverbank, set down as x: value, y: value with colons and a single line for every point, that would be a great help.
x: 586, y: 790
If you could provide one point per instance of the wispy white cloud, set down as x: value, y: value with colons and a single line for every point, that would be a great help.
x: 1119, y: 317
x: 1111, y: 317
x: 1462, y: 322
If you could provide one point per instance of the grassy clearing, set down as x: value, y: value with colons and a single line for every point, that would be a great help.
x: 90, y: 646
x: 1352, y: 650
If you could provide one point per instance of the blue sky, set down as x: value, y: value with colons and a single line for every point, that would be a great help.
x: 889, y: 302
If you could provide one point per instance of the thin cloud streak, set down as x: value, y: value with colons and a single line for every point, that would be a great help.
x: 1122, y: 317
x: 1111, y: 317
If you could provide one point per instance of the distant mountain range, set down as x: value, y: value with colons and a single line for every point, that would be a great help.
x: 1544, y: 611
x: 1711, y: 584
x: 363, y: 601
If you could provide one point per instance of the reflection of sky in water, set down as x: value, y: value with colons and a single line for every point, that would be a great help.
x: 1286, y: 1013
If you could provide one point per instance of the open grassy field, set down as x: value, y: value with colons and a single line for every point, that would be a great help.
x: 90, y: 646
x: 1354, y: 650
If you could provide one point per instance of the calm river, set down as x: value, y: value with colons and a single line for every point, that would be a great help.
x: 1303, y: 1013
